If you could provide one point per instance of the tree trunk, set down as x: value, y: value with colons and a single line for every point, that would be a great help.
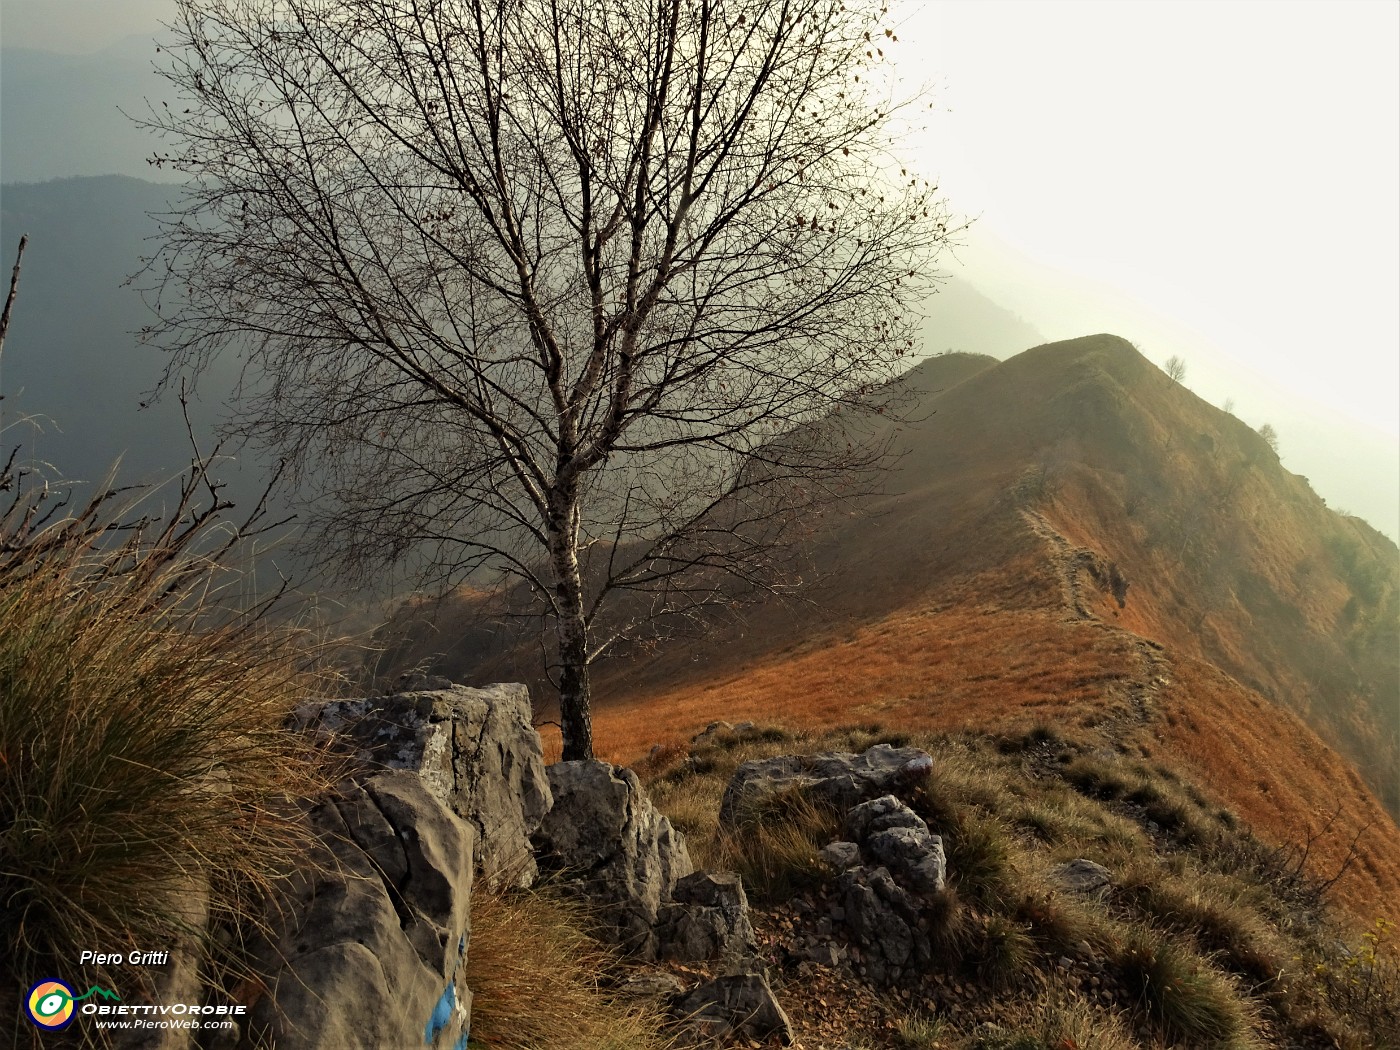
x: 571, y: 633
x: 575, y: 722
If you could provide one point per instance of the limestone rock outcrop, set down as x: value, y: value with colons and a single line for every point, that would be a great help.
x: 707, y: 918
x: 837, y: 779
x: 366, y: 947
x: 475, y: 749
x: 605, y: 840
x: 889, y: 866
x: 891, y: 834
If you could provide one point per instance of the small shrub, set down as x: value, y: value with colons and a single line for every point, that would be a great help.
x: 1363, y: 984
x: 1059, y: 1018
x: 1042, y: 821
x: 1098, y: 779
x: 1206, y: 910
x: 1059, y: 924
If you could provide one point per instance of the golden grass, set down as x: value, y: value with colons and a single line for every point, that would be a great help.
x: 146, y: 771
x: 978, y: 667
x: 1282, y: 779
x: 535, y: 981
x: 964, y: 667
x: 1204, y: 946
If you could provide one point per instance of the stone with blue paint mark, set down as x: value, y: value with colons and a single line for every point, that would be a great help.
x: 442, y: 1013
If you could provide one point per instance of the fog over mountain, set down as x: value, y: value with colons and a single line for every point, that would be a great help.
x: 63, y: 114
x: 72, y: 359
x: 78, y: 382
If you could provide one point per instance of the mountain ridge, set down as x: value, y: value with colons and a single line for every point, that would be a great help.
x: 1068, y: 536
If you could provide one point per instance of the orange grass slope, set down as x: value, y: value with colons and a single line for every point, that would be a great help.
x: 1062, y: 530
x: 998, y: 670
x: 1051, y: 516
x: 1077, y: 473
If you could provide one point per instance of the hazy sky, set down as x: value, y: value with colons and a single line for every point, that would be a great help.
x: 1215, y: 179
x: 1234, y: 167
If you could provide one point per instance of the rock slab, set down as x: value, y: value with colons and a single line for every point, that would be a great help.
x: 605, y: 841
x: 707, y: 918
x: 366, y: 948
x: 742, y: 1005
x: 838, y: 779
x: 475, y: 749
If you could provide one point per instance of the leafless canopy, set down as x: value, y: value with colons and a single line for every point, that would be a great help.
x: 591, y: 291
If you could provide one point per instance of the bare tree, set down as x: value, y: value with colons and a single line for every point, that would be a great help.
x: 588, y: 291
x: 1175, y: 368
x: 1270, y: 436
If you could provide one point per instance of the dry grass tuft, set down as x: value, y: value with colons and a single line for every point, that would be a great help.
x: 534, y: 976
x: 1059, y: 1018
x: 1181, y: 993
x: 144, y: 760
x: 776, y: 846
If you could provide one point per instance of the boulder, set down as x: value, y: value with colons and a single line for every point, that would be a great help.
x: 1083, y: 876
x: 837, y: 779
x: 708, y: 918
x: 883, y: 921
x: 893, y: 835
x: 475, y: 749
x: 604, y: 840
x: 741, y: 1005
x: 841, y: 855
x: 365, y: 949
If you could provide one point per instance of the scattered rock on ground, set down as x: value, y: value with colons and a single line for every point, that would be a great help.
x: 841, y: 855
x: 738, y: 1005
x: 1083, y: 876
x: 838, y: 779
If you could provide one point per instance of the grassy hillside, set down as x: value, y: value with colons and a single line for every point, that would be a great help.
x: 1205, y: 936
x: 1068, y: 536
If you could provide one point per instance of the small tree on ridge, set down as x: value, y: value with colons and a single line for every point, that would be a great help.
x: 590, y: 292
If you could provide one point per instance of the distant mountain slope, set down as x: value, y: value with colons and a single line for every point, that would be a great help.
x: 62, y: 115
x: 73, y: 364
x: 1070, y: 537
x: 960, y: 319
x: 71, y: 358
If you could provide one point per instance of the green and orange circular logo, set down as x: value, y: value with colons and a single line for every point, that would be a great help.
x: 50, y: 1005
